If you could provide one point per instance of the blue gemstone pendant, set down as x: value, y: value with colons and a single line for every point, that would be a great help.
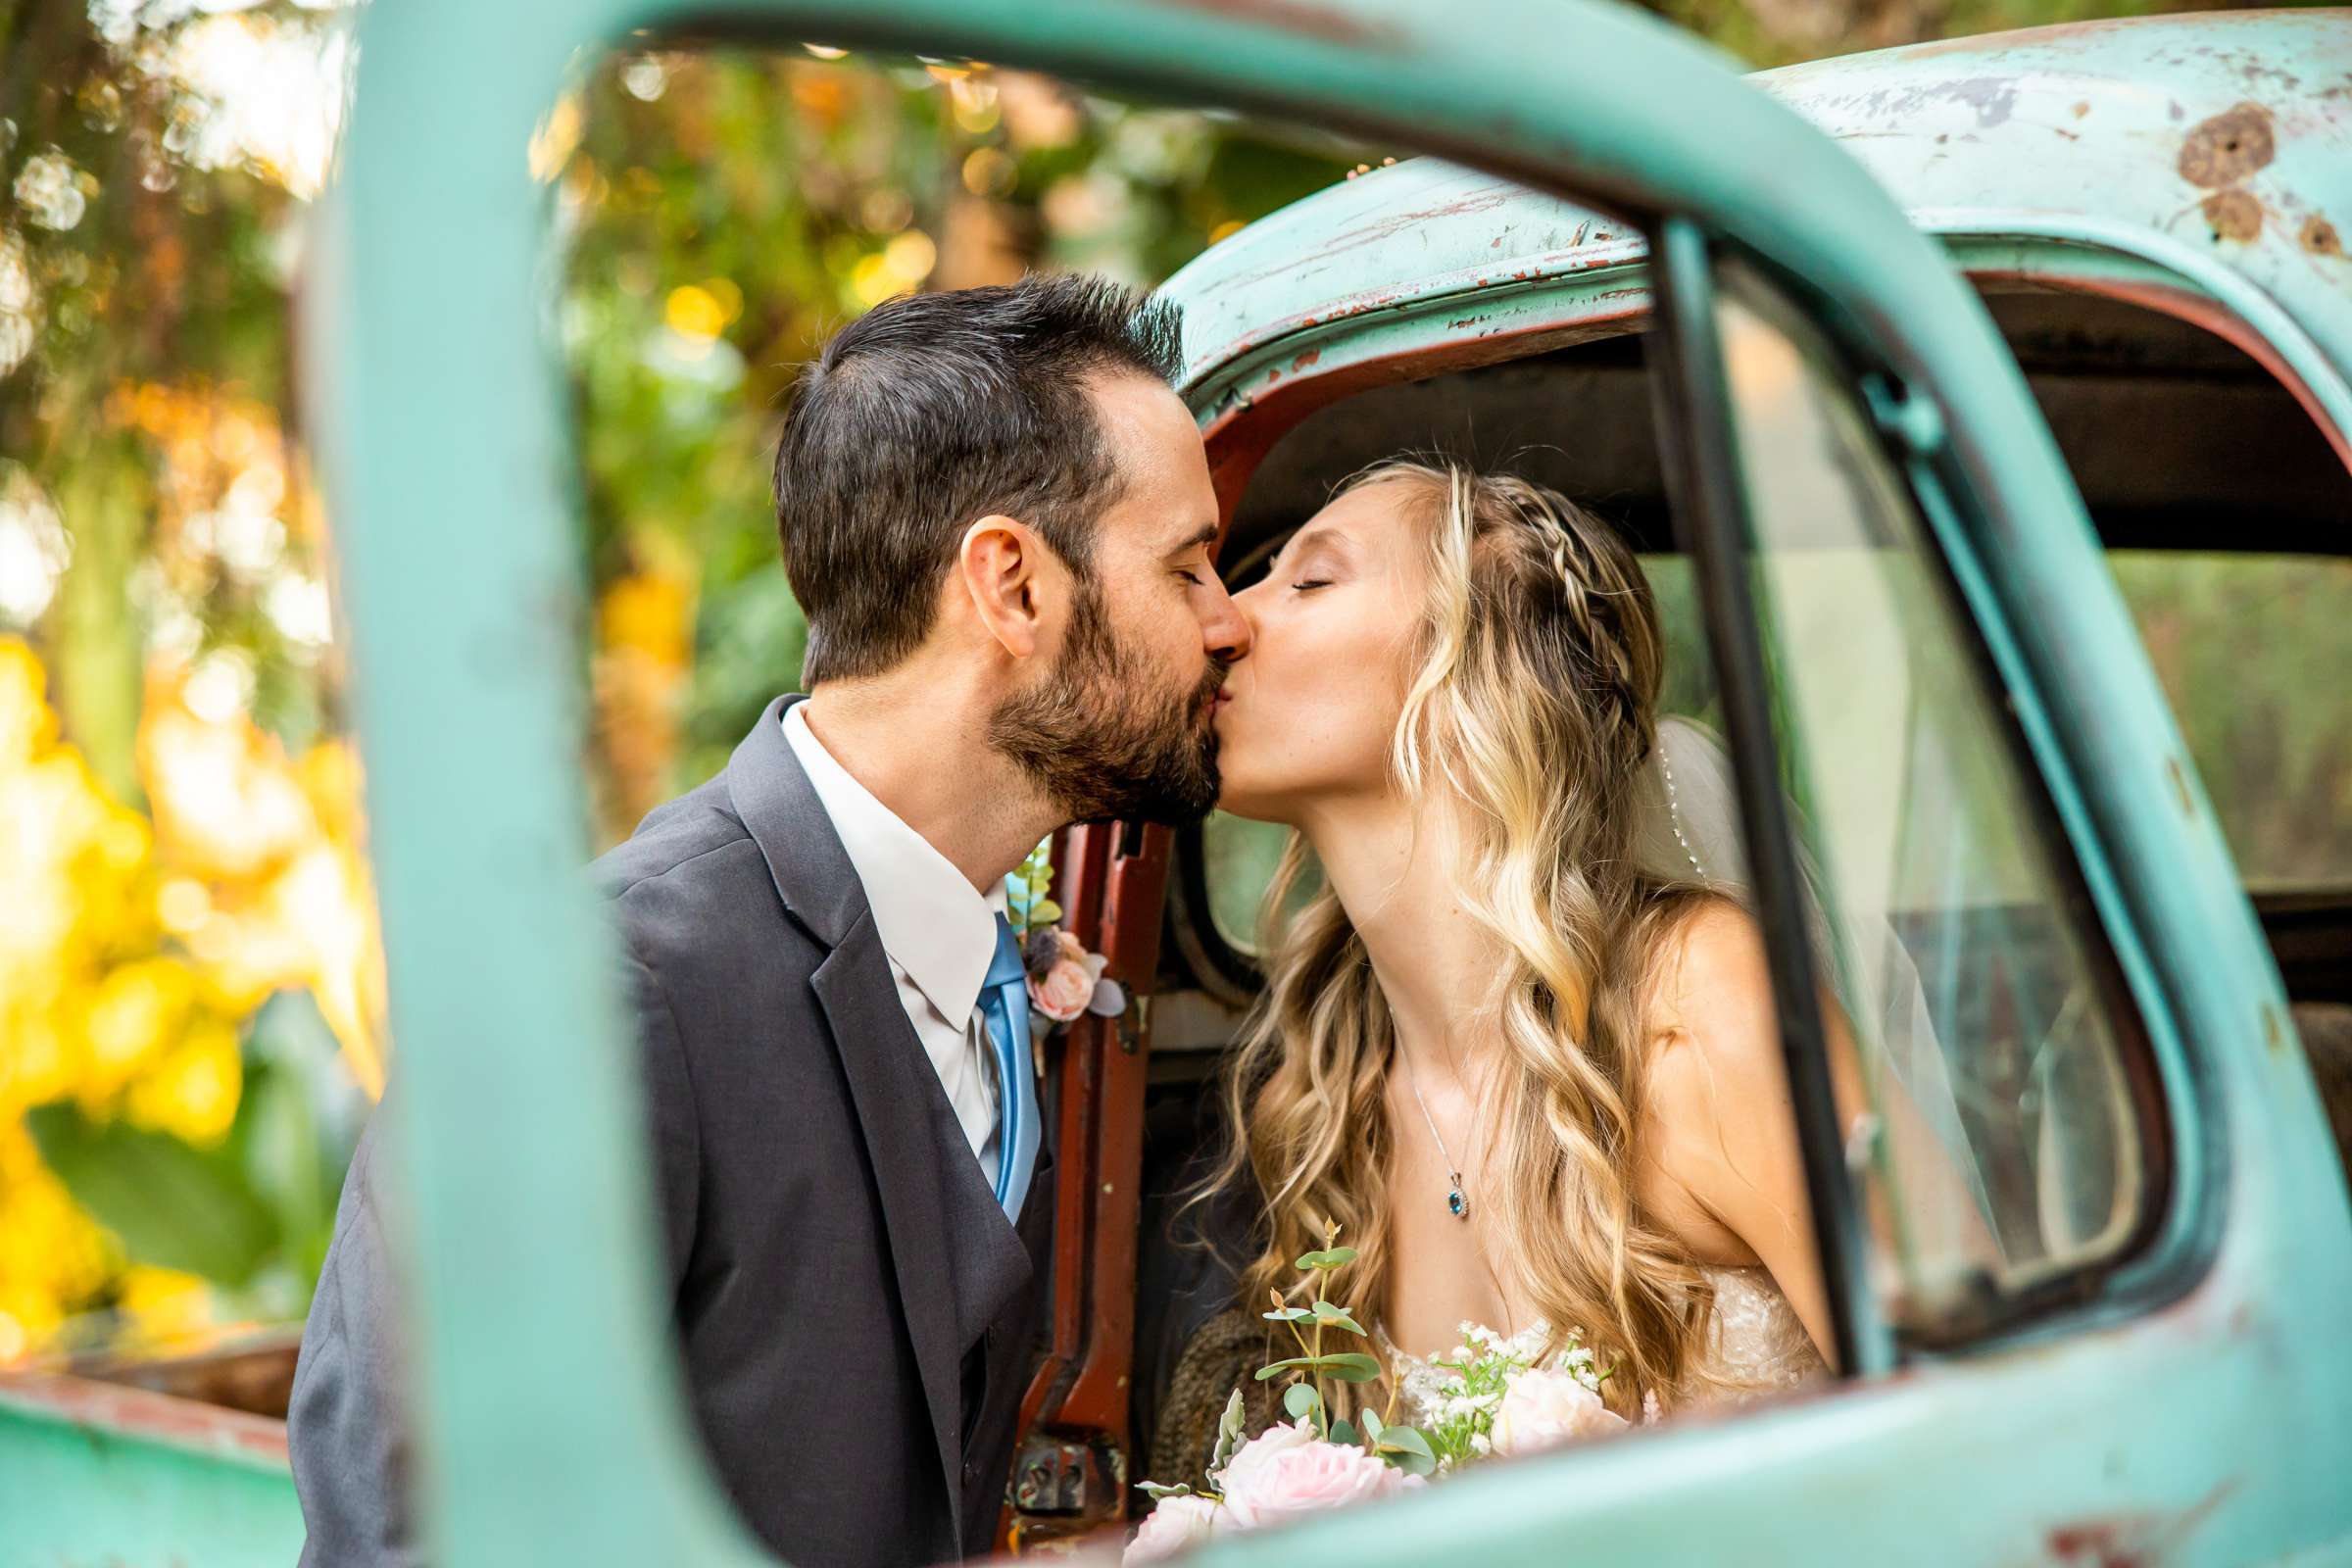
x: 1455, y: 1202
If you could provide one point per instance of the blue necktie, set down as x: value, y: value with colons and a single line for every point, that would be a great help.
x: 1005, y: 1004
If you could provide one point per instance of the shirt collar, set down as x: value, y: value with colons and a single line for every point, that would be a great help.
x: 932, y: 921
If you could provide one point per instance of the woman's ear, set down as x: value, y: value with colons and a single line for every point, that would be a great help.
x: 1000, y: 565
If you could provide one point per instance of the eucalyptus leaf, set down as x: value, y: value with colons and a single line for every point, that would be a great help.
x: 1289, y: 1314
x: 1300, y: 1400
x: 1407, y: 1442
x: 1230, y: 1427
x: 1344, y: 1431
x: 1352, y: 1366
x: 1412, y: 1464
x: 1373, y: 1426
x: 1328, y: 1257
x: 1157, y: 1492
x: 1045, y: 912
x: 1325, y: 1312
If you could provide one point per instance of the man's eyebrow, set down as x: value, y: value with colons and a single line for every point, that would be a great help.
x: 1207, y: 536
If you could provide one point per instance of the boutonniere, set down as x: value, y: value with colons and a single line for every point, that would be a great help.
x: 1065, y: 981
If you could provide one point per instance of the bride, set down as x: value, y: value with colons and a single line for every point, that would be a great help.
x: 1527, y: 1066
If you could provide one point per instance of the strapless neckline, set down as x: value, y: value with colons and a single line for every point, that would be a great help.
x: 1757, y: 1344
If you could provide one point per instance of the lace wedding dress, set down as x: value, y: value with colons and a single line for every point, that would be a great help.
x: 1759, y: 1347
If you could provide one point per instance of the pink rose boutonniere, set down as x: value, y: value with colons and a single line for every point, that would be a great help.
x: 1065, y: 981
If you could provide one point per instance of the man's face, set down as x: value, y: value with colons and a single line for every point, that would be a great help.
x: 1120, y: 727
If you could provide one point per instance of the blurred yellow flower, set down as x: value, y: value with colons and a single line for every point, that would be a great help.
x: 131, y: 957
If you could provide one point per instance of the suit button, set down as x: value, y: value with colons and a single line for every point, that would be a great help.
x: 971, y: 1472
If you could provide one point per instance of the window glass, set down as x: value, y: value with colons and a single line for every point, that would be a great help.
x: 2251, y: 649
x: 1971, y: 1041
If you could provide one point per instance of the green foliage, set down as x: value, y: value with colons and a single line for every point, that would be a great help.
x: 172, y: 1205
x: 257, y: 1210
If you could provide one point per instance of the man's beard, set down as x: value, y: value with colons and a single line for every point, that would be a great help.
x: 1101, y: 745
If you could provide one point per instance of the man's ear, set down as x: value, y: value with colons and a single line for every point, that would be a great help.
x: 1002, y: 566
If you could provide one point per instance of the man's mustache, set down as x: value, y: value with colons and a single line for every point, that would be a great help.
x: 1212, y: 680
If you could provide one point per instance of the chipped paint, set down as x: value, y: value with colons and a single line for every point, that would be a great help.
x: 2235, y: 214
x: 1305, y: 20
x: 2230, y: 146
x: 2319, y: 237
x: 2142, y: 1538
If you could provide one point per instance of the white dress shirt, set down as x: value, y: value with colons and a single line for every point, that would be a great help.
x: 938, y: 931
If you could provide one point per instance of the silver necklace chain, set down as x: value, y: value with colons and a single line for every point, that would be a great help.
x: 1457, y: 1202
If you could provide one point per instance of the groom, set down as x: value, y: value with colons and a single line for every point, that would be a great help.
x: 996, y: 517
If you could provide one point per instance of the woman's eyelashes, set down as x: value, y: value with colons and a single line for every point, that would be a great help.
x: 1307, y: 585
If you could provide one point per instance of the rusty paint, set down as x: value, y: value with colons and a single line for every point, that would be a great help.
x: 2134, y: 1540
x: 2273, y: 1033
x: 2235, y: 214
x: 2179, y: 775
x: 1302, y: 18
x: 1385, y: 227
x: 141, y: 1413
x: 1302, y: 360
x: 1115, y: 902
x: 2082, y: 108
x: 2230, y: 146
x: 2320, y: 238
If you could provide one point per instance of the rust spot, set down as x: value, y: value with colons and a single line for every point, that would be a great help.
x: 2273, y: 1034
x: 2235, y: 214
x: 1305, y: 359
x: 2180, y: 791
x: 1300, y: 17
x: 2320, y: 238
x: 2131, y: 1540
x: 2082, y: 109
x: 2225, y: 149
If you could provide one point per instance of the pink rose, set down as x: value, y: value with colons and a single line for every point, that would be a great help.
x: 1543, y: 1409
x: 1177, y: 1524
x: 1069, y: 985
x: 1288, y: 1473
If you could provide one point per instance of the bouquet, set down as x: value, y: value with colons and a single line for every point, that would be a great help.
x: 1493, y: 1401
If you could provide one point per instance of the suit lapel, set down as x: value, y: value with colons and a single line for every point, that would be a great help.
x: 958, y: 1260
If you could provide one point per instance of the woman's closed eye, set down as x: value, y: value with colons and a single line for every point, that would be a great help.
x: 1307, y: 585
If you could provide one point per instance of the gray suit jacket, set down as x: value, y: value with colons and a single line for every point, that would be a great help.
x: 856, y: 1318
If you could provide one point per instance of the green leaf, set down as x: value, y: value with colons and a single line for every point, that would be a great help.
x: 1157, y: 1491
x: 1407, y: 1450
x: 1289, y: 1314
x: 1300, y: 1400
x: 1404, y: 1439
x: 1329, y: 1257
x: 1372, y: 1423
x: 1045, y: 912
x: 1325, y: 1312
x: 174, y: 1206
x: 1344, y: 1431
x: 1350, y: 1367
x: 1230, y: 1427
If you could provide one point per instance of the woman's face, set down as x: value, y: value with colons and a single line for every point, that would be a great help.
x: 1310, y: 714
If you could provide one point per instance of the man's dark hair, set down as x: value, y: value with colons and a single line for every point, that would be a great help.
x: 931, y: 412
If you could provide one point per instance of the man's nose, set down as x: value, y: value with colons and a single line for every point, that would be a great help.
x: 1225, y: 630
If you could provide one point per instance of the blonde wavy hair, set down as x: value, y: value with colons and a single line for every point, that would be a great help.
x: 1530, y: 710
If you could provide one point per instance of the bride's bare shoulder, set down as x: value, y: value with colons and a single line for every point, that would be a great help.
x: 1712, y: 1065
x: 1706, y: 983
